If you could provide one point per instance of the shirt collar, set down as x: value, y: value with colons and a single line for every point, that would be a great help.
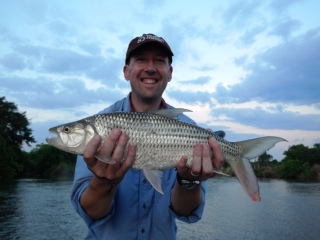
x: 163, y: 104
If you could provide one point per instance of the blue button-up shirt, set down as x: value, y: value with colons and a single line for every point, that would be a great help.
x: 138, y: 211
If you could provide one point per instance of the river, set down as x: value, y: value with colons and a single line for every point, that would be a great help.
x: 41, y: 209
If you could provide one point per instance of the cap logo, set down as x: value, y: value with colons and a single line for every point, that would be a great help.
x: 149, y: 37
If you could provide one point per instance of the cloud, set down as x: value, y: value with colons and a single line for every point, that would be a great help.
x: 240, y: 13
x: 48, y: 93
x: 264, y: 119
x: 189, y: 97
x: 282, y: 6
x: 13, y: 62
x: 249, y: 37
x: 199, y: 81
x: 59, y: 61
x: 287, y: 73
x: 285, y: 28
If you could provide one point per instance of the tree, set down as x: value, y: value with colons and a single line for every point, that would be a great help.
x: 299, y: 152
x: 47, y: 161
x: 264, y: 159
x: 303, y: 153
x: 14, y: 132
x: 299, y: 162
x: 291, y: 168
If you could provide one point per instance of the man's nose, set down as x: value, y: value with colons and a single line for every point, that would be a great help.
x: 150, y: 66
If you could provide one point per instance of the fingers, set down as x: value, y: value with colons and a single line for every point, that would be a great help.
x: 128, y: 161
x: 110, y: 145
x: 113, y: 149
x: 197, y: 160
x: 206, y: 158
x: 182, y: 166
x: 218, y: 158
x: 90, y: 150
x: 119, y: 148
x: 207, y: 167
x: 202, y: 164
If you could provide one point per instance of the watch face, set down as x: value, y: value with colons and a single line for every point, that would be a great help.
x: 190, y: 184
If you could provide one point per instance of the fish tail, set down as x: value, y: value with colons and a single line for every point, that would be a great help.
x: 242, y: 168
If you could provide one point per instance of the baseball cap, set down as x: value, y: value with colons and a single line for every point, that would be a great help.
x: 147, y: 38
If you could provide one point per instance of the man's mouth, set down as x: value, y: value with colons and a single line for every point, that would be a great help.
x: 149, y: 80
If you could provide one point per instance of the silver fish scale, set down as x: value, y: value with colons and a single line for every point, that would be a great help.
x: 160, y: 141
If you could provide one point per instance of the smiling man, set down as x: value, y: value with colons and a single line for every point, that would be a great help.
x: 149, y: 70
x: 117, y: 202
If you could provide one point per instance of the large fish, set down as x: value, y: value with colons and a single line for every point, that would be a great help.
x: 161, y: 141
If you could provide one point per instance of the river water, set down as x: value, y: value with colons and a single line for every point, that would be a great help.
x: 41, y: 209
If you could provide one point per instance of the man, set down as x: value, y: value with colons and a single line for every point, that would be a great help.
x: 117, y: 202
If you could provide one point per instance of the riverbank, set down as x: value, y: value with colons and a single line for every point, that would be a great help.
x: 278, y: 170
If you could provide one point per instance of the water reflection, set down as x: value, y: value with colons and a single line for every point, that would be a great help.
x: 8, y: 209
x: 41, y: 209
x: 283, y: 213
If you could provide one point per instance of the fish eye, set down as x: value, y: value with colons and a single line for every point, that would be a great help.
x: 66, y: 129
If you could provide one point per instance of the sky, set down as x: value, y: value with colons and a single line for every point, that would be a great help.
x: 250, y: 68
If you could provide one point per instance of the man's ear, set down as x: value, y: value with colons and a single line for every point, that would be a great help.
x: 170, y: 76
x: 126, y: 72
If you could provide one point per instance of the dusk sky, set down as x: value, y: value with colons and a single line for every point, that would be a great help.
x: 248, y: 67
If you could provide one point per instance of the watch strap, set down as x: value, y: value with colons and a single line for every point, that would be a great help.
x: 187, y: 183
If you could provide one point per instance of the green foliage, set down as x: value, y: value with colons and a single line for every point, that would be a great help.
x: 264, y: 159
x: 47, y: 161
x: 299, y: 161
x: 14, y: 126
x: 291, y: 168
x: 9, y: 166
x: 14, y: 132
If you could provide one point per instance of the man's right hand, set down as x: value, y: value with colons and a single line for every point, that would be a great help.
x: 97, y: 198
x: 113, y: 148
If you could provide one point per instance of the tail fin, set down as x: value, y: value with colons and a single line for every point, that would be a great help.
x: 251, y: 149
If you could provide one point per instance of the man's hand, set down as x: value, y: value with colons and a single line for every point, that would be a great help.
x: 113, y: 148
x: 185, y: 201
x: 203, y: 163
x: 97, y: 198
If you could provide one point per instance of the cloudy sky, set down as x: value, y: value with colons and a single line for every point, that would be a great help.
x: 250, y: 68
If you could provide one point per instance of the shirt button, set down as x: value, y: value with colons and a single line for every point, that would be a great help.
x: 144, y: 205
x: 142, y: 230
x: 144, y: 180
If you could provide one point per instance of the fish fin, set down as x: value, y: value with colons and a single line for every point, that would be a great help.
x: 220, y: 172
x: 154, y: 177
x: 247, y: 178
x: 252, y: 148
x: 171, y: 113
x: 105, y: 159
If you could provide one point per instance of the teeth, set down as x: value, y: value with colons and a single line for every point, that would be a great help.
x: 150, y: 81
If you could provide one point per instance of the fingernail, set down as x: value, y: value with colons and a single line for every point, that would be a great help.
x: 123, y: 137
x: 96, y: 137
x: 116, y: 131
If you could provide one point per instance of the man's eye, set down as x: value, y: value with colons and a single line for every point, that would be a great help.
x: 160, y: 60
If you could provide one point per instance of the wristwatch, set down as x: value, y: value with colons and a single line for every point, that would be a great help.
x: 188, y: 184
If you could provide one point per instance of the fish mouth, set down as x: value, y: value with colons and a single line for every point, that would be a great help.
x: 56, y: 140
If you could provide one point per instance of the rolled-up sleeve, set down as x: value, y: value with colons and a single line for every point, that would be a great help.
x: 196, y: 215
x: 82, y: 178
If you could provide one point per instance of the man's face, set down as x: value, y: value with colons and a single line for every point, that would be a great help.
x: 148, y: 71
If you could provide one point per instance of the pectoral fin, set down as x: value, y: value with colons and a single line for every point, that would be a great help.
x: 105, y: 159
x: 154, y: 177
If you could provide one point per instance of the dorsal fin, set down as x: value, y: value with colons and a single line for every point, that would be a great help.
x: 171, y: 113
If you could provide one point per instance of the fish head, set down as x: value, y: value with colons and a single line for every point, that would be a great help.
x: 72, y: 137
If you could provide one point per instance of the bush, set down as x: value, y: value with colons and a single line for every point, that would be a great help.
x: 291, y: 168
